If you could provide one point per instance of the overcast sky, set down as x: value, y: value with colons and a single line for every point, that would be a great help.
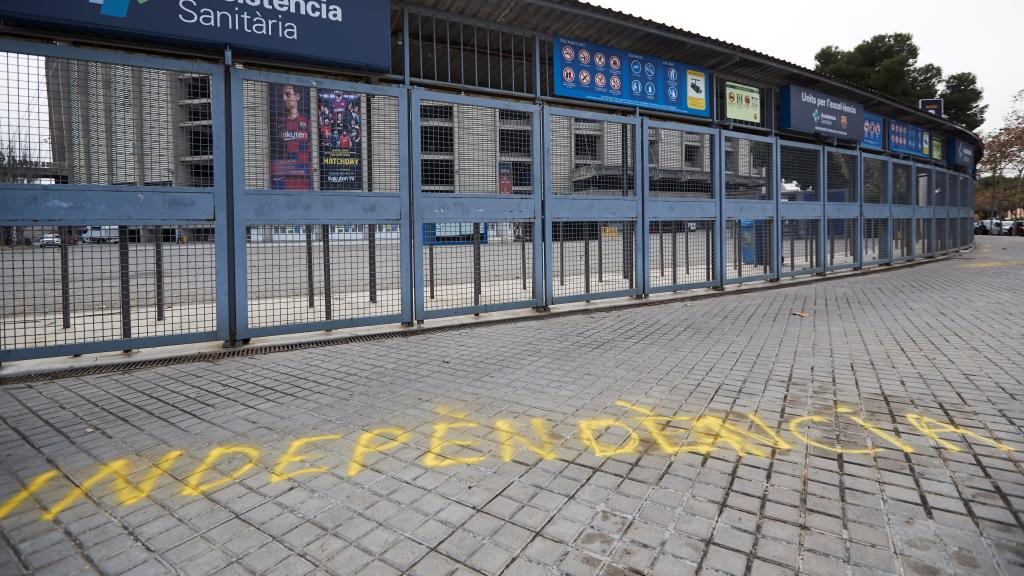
x: 980, y: 36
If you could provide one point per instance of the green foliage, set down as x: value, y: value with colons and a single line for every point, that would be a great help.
x: 963, y: 100
x: 888, y: 63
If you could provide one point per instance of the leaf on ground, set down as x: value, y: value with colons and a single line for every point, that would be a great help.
x: 802, y: 314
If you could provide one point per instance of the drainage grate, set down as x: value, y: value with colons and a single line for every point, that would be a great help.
x: 246, y: 351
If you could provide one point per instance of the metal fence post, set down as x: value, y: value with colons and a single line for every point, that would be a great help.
x: 235, y: 241
x: 325, y: 233
x: 371, y: 249
x: 776, y: 228
x: 159, y: 257
x: 125, y: 278
x: 721, y: 243
x: 477, y: 265
x: 65, y: 279
x: 309, y: 264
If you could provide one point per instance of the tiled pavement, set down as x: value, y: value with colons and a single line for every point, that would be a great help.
x: 428, y: 458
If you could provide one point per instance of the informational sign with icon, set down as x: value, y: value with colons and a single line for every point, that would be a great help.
x: 742, y: 102
x: 873, y: 132
x: 909, y: 139
x: 813, y: 112
x: 594, y: 72
x: 938, y: 151
x: 960, y: 153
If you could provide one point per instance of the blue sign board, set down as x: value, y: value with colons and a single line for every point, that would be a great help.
x: 816, y: 113
x: 960, y: 153
x: 594, y: 72
x: 354, y: 33
x: 909, y: 139
x: 874, y: 132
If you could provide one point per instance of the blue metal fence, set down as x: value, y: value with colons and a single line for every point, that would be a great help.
x: 251, y: 203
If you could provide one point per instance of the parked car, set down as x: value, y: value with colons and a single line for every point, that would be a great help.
x: 1000, y: 228
x: 49, y: 240
x: 980, y: 229
x: 1016, y: 229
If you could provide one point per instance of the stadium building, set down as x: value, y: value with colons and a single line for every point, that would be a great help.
x: 271, y: 167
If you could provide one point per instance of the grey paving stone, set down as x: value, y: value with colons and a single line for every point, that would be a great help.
x: 876, y: 346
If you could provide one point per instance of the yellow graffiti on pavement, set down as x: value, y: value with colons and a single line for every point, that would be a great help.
x: 34, y: 486
x: 434, y: 459
x: 994, y: 264
x: 364, y: 446
x: 605, y: 450
x: 457, y: 440
x: 192, y: 485
x: 119, y: 470
x: 932, y: 428
x: 290, y: 457
x: 507, y: 435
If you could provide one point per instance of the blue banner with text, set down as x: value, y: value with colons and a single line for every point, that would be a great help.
x: 347, y: 32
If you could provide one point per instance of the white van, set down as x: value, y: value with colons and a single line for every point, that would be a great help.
x: 100, y: 235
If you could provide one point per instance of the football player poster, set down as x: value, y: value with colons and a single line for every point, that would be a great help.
x: 290, y: 161
x: 341, y: 141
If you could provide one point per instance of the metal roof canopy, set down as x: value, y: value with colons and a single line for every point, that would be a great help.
x: 585, y: 21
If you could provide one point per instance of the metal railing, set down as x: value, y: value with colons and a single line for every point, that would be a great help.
x: 148, y: 201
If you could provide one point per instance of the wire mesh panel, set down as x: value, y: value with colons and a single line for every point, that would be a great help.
x: 841, y: 242
x: 902, y: 184
x: 593, y: 200
x: 748, y: 248
x: 923, y: 231
x: 472, y: 264
x: 590, y: 257
x: 680, y: 164
x: 876, y: 181
x: 323, y: 211
x: 477, y: 239
x: 466, y: 148
x: 125, y: 251
x: 681, y: 252
x: 925, y: 189
x: 73, y: 121
x: 595, y: 158
x: 903, y: 238
x: 941, y: 234
x: 876, y: 240
x: 69, y: 284
x: 841, y: 174
x: 748, y: 169
x: 800, y: 174
x: 299, y: 274
x: 800, y: 242
x: 940, y: 194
